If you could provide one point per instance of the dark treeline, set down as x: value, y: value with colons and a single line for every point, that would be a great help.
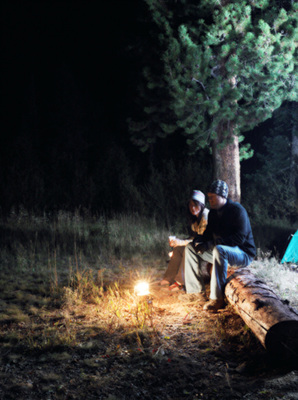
x: 80, y: 165
x: 66, y: 156
x: 65, y: 143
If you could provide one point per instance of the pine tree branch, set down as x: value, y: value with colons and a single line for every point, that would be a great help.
x: 212, y: 71
x: 193, y: 79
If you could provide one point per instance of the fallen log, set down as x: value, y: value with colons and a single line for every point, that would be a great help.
x: 271, y: 319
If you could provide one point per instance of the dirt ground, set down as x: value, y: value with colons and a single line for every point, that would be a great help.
x: 183, y: 352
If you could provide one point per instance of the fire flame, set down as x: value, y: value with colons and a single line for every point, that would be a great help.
x: 142, y: 289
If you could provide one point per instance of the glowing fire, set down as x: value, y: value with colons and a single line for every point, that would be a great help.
x: 142, y: 289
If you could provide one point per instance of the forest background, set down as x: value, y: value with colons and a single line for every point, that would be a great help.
x: 70, y: 84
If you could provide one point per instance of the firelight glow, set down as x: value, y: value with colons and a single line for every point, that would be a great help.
x: 142, y: 289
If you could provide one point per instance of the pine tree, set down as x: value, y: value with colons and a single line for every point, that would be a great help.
x: 273, y: 182
x: 226, y: 65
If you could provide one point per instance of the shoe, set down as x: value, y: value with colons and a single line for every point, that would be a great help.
x: 164, y: 282
x: 214, y: 305
x: 193, y: 297
x: 176, y: 287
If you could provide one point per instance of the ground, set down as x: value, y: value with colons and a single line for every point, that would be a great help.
x: 179, y: 351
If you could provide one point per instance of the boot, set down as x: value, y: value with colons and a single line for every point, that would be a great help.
x: 214, y: 305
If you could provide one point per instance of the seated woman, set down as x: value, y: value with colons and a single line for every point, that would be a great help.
x: 198, y: 214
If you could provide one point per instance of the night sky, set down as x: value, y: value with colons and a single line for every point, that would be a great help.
x: 71, y: 63
x: 83, y: 43
x: 69, y: 79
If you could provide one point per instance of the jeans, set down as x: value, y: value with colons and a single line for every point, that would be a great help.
x: 221, y: 256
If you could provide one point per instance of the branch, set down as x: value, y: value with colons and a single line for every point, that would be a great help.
x: 193, y: 79
x: 213, y: 69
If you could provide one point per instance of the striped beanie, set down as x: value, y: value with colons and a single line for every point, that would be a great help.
x: 198, y: 196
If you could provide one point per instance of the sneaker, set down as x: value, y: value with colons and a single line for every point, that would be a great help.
x: 176, y: 287
x: 193, y: 297
x: 214, y: 305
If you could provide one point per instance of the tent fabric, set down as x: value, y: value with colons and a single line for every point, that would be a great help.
x: 291, y: 254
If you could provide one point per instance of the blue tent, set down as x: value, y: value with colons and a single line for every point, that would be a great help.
x: 291, y: 254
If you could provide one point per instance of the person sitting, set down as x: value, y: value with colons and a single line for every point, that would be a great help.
x: 227, y: 240
x: 198, y: 215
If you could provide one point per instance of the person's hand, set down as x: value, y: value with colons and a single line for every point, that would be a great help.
x: 173, y: 242
x: 201, y: 247
x: 197, y: 240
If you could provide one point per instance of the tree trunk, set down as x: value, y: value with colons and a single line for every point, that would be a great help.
x: 226, y: 163
x: 272, y: 320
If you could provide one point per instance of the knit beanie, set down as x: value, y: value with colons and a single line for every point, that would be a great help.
x: 198, y: 196
x: 220, y: 188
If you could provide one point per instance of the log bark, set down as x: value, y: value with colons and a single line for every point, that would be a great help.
x: 271, y: 319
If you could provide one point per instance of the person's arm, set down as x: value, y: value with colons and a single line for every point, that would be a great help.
x: 179, y: 242
x: 184, y: 242
x: 204, y: 241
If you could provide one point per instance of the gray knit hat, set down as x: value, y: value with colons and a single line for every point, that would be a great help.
x: 220, y: 188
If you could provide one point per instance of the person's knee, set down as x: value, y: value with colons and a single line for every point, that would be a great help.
x: 219, y: 251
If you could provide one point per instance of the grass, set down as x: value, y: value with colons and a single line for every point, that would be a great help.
x: 66, y: 279
x: 281, y: 277
x: 55, y: 269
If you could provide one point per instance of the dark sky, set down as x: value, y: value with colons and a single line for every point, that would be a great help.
x: 85, y: 42
x: 81, y: 52
x: 68, y: 85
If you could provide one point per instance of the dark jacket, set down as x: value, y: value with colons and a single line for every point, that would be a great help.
x: 229, y: 226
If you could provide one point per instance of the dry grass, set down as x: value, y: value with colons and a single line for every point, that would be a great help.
x: 283, y: 278
x: 72, y: 326
x: 63, y: 281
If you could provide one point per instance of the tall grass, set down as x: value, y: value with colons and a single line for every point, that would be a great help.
x: 28, y: 240
x: 90, y: 263
x: 63, y: 245
x: 76, y: 265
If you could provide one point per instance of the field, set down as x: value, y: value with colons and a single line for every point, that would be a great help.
x: 72, y: 326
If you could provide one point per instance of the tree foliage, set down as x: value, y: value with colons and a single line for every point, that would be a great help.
x: 269, y: 190
x: 221, y: 64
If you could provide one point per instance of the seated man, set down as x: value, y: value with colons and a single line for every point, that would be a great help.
x: 227, y: 240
